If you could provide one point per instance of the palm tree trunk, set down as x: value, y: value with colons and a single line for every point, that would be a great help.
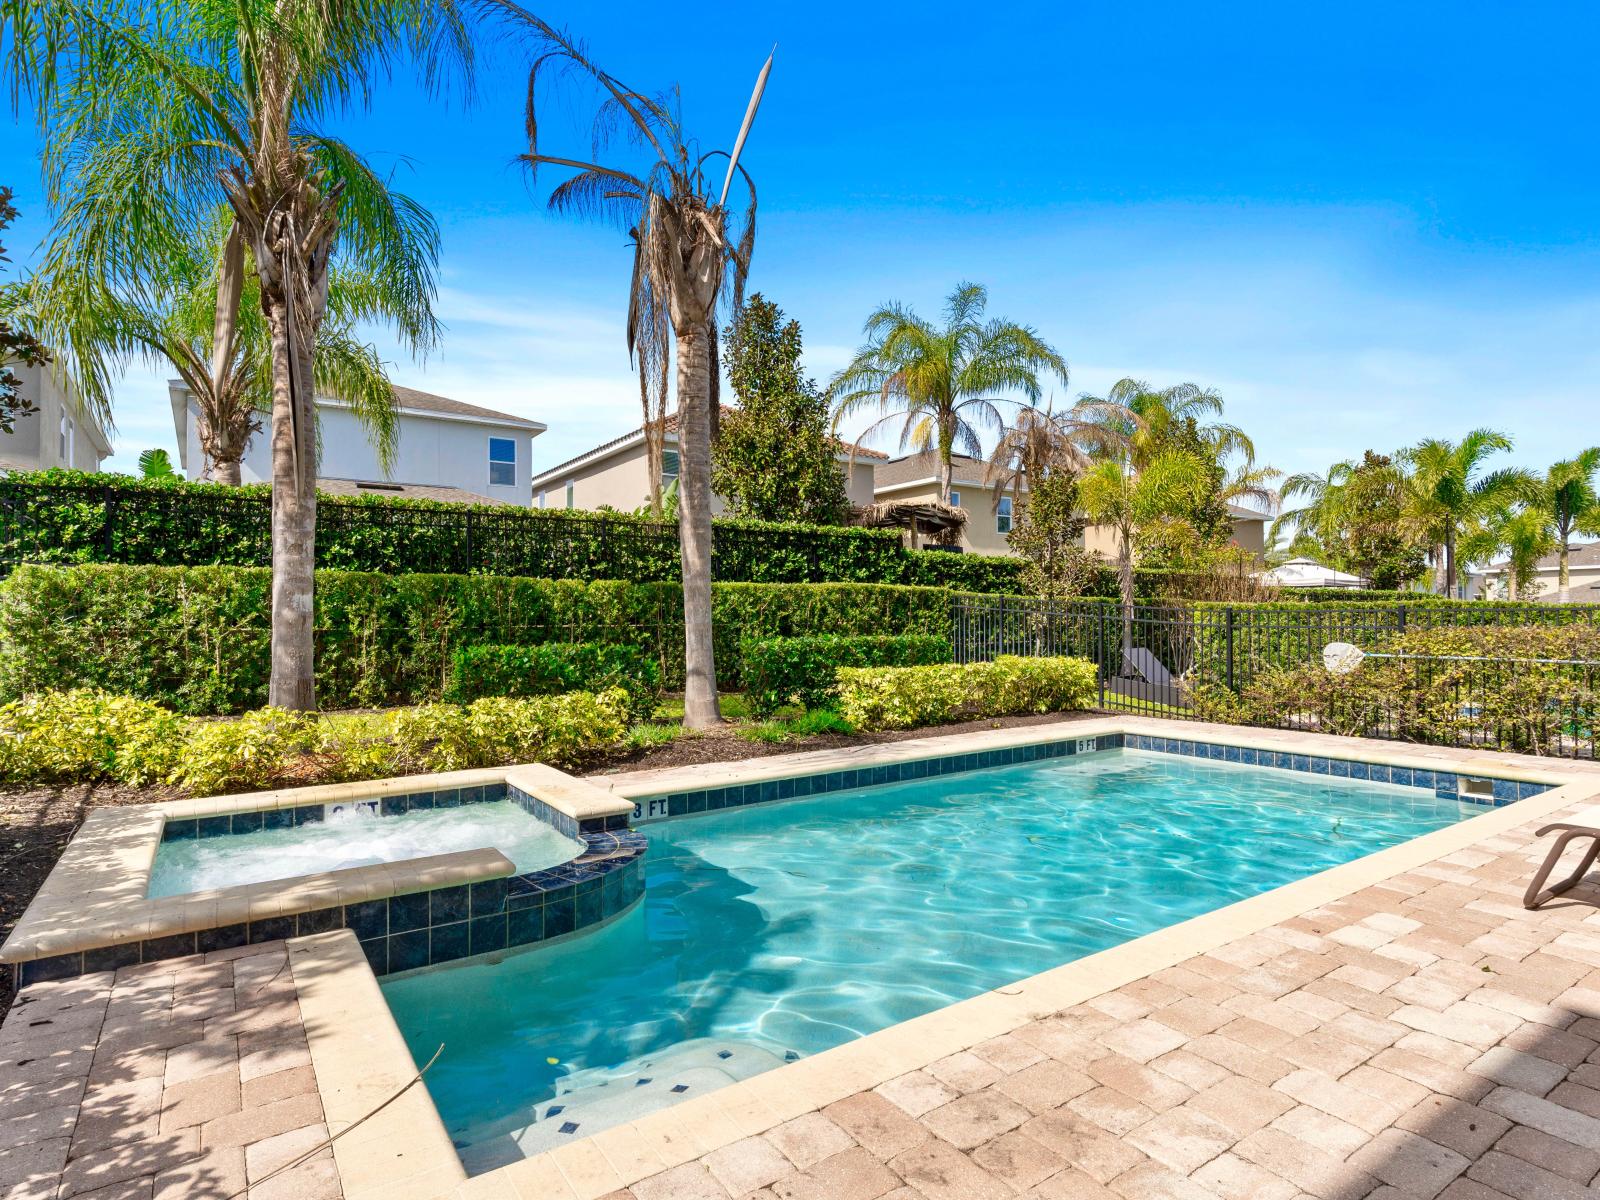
x: 1511, y: 582
x: 944, y: 473
x: 700, y: 707
x: 1563, y: 577
x: 294, y: 520
x: 226, y: 472
x: 1450, y: 561
x: 1440, y: 571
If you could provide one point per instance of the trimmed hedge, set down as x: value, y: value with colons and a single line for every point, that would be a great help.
x: 544, y: 670
x: 196, y: 638
x: 905, y: 697
x: 801, y: 670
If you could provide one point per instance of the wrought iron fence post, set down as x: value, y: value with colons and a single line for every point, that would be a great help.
x: 468, y: 539
x: 1229, y: 616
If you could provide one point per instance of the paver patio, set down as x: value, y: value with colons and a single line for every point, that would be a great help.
x: 1422, y: 1037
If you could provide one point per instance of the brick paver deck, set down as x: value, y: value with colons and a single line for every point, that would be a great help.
x: 1425, y: 1037
x: 187, y: 1078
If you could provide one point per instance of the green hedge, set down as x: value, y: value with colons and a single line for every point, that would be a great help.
x: 790, y: 670
x: 554, y: 667
x: 196, y: 638
x: 905, y: 697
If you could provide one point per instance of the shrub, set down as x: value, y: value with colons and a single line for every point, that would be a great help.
x: 86, y: 734
x: 904, y: 697
x: 252, y: 752
x: 495, y: 730
x: 801, y: 670
x: 556, y: 667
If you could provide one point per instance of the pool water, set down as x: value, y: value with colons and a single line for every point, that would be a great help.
x: 776, y: 931
x: 352, y: 838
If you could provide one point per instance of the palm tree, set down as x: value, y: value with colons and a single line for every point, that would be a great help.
x: 943, y: 383
x: 152, y: 120
x: 1447, y: 491
x: 1153, y: 420
x: 1322, y: 515
x: 99, y: 332
x: 687, y: 245
x: 1112, y: 492
x: 1525, y: 533
x: 1041, y: 441
x: 1570, y: 499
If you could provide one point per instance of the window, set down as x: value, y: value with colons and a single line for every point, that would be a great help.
x: 572, y: 485
x: 503, y: 462
x: 955, y: 499
x: 65, y: 444
x: 1002, y: 516
x: 669, y: 466
x: 541, y: 499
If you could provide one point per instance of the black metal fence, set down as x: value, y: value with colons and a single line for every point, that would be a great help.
x: 1263, y: 665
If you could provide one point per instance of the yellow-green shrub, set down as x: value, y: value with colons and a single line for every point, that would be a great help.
x: 87, y: 733
x: 254, y: 751
x: 904, y: 697
x: 498, y: 729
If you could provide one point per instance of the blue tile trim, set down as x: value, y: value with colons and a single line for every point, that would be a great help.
x: 306, y: 814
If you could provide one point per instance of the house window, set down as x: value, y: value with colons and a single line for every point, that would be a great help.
x: 1002, y: 516
x: 503, y: 462
x: 955, y: 499
x: 65, y: 443
x: 572, y: 486
x: 541, y: 499
x: 669, y: 466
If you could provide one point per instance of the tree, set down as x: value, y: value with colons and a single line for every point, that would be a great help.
x: 943, y: 383
x: 175, y: 323
x: 1526, y: 534
x: 1049, y: 535
x: 1042, y: 441
x: 1374, y: 543
x: 774, y: 458
x: 1568, y: 497
x: 16, y: 345
x: 686, y: 245
x: 156, y: 465
x: 153, y: 118
x: 1321, y: 519
x: 1447, y: 490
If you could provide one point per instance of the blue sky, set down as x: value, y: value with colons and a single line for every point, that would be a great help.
x: 1363, y: 224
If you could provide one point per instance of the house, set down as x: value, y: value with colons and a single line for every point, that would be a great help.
x: 990, y: 517
x: 616, y: 475
x: 1308, y: 573
x: 446, y: 449
x: 60, y: 433
x: 1583, y: 575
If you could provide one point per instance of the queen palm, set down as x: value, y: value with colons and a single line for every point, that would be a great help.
x: 691, y: 255
x: 155, y: 115
x: 943, y: 383
x: 1151, y: 419
x: 1448, y: 490
x: 98, y: 332
x: 1040, y: 441
x: 1568, y: 497
x: 1320, y: 515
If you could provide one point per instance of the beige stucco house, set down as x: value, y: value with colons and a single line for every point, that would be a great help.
x: 616, y: 475
x: 61, y: 433
x: 990, y: 516
x: 1583, y: 575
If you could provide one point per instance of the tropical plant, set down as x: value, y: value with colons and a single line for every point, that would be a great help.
x: 1049, y: 536
x: 1525, y: 535
x: 1448, y: 490
x: 1041, y: 441
x: 1569, y: 497
x: 156, y: 465
x: 154, y: 117
x: 172, y: 320
x: 1321, y: 513
x: 16, y: 345
x: 943, y: 383
x: 774, y: 458
x: 687, y: 245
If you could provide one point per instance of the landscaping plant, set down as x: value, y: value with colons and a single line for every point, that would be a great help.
x: 802, y: 670
x: 873, y: 698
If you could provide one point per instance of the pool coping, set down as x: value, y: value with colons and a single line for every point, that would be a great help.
x: 93, y: 902
x: 617, y: 1157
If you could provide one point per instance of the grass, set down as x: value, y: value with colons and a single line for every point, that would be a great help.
x: 812, y: 723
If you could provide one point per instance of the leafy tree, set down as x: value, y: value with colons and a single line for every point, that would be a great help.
x: 686, y: 245
x: 1569, y: 498
x: 774, y: 458
x: 1447, y: 491
x: 1049, y: 535
x: 1375, y: 544
x: 943, y: 383
x: 155, y: 115
x: 16, y: 345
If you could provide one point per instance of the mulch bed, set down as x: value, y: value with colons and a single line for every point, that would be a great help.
x: 37, y: 822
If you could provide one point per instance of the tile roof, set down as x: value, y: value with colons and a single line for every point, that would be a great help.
x: 403, y: 491
x: 417, y: 401
x: 912, y: 467
x: 1580, y: 556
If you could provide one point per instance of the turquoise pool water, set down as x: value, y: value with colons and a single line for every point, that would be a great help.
x: 357, y: 839
x: 780, y: 930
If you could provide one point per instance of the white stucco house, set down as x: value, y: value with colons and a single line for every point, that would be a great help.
x: 59, y: 434
x: 447, y: 450
x: 1583, y: 575
x: 616, y: 474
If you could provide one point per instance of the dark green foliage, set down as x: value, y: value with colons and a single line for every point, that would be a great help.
x: 196, y: 638
x: 16, y: 345
x: 774, y: 459
x: 801, y: 670
x: 553, y: 667
x: 964, y: 572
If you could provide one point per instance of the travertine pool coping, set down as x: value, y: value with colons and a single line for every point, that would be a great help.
x: 616, y: 1157
x: 95, y: 898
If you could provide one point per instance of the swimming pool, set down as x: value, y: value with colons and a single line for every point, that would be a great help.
x: 776, y: 931
x: 354, y: 834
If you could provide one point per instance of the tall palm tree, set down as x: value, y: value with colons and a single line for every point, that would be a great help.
x: 1448, y: 490
x: 1573, y: 505
x: 1525, y: 533
x: 99, y: 332
x: 1151, y: 419
x: 1112, y: 492
x: 1040, y: 441
x: 155, y: 115
x: 1321, y: 516
x: 691, y: 255
x: 944, y: 383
